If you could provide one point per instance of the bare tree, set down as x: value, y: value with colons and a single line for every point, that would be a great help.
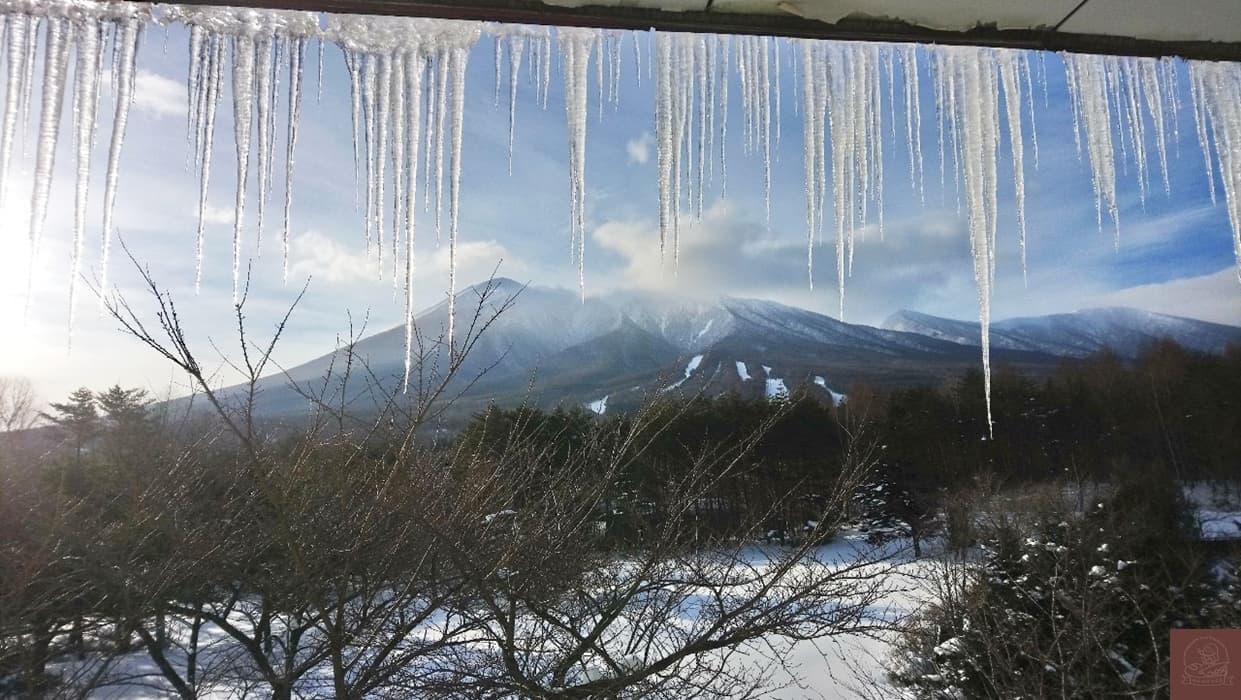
x: 357, y: 555
x: 18, y: 409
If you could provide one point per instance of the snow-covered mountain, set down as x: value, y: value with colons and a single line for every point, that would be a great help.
x: 1125, y: 331
x: 612, y: 352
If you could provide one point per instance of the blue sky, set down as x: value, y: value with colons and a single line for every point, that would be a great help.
x: 1175, y: 253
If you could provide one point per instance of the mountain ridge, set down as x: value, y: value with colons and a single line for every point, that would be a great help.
x: 555, y: 348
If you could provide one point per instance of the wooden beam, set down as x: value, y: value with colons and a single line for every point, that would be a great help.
x: 786, y: 25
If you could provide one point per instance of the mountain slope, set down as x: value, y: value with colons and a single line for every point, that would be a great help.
x: 1123, y: 330
x: 610, y: 353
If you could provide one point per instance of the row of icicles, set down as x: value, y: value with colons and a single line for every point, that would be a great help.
x: 407, y: 84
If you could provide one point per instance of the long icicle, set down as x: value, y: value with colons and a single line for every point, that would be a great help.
x: 415, y: 68
x: 297, y: 56
x: 243, y: 96
x: 55, y: 67
x: 124, y: 80
x: 85, y: 107
x: 458, y: 56
x: 19, y: 34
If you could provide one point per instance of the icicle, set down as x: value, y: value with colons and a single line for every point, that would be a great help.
x: 263, y: 88
x: 662, y: 60
x: 20, y: 28
x: 296, y: 57
x: 1218, y: 89
x: 1010, y: 80
x: 970, y: 72
x: 429, y: 151
x: 353, y: 63
x: 214, y: 70
x: 913, y: 117
x: 1090, y: 87
x: 615, y: 79
x: 725, y: 47
x: 1195, y: 98
x: 499, y: 56
x: 545, y: 64
x: 516, y: 49
x: 599, y: 71
x: 124, y: 80
x: 458, y: 57
x: 704, y: 96
x: 383, y: 110
x: 55, y: 67
x: 779, y: 88
x: 576, y: 46
x: 441, y: 111
x: 28, y: 68
x: 764, y: 80
x: 243, y: 96
x: 370, y: 122
x: 416, y: 65
x: 1024, y: 66
x: 319, y: 68
x: 1149, y: 75
x: 1136, y: 129
x: 712, y: 92
x: 85, y: 108
x: 193, y: 111
x: 637, y: 57
x: 810, y: 151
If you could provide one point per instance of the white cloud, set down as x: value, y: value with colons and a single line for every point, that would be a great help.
x: 216, y: 215
x: 327, y: 260
x: 154, y: 94
x: 639, y: 149
x: 158, y: 95
x: 314, y: 254
x: 923, y: 263
x: 1214, y: 297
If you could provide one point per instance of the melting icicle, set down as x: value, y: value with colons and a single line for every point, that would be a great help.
x: 28, y: 67
x: 441, y: 110
x: 1089, y: 86
x: 517, y: 45
x: 971, y: 73
x: 397, y: 153
x: 459, y: 56
x: 296, y: 56
x: 1217, y: 95
x: 263, y: 88
x: 54, y: 67
x: 123, y: 79
x: 243, y: 95
x: 214, y: 69
x: 382, y: 113
x: 1195, y: 99
x: 576, y: 46
x: 1010, y: 80
x: 810, y: 132
x: 1148, y: 69
x: 85, y: 108
x: 725, y: 47
x: 415, y: 67
x: 20, y: 28
x: 353, y: 63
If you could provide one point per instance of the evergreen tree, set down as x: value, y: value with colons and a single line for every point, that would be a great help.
x: 77, y: 419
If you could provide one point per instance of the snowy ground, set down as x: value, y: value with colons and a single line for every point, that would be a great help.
x: 1217, y: 506
x: 831, y: 668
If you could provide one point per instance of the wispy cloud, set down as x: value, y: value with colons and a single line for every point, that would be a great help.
x: 162, y: 96
x: 1212, y: 297
x: 639, y: 149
